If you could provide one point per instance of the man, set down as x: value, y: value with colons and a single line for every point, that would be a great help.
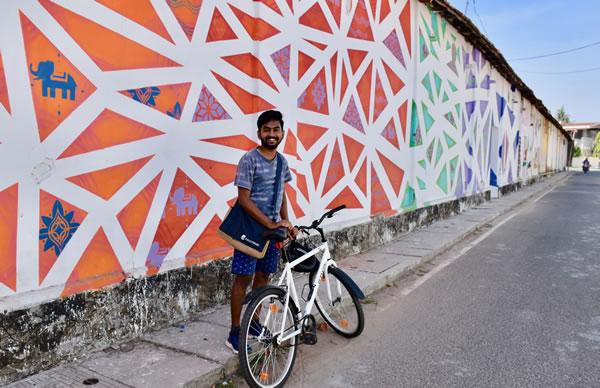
x: 255, y: 179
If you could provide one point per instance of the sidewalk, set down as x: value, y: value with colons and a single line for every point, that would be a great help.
x: 194, y: 354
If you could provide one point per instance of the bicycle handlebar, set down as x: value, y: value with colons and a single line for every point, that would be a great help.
x: 315, y: 224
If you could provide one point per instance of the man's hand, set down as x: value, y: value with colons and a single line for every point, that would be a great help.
x: 292, y: 232
x: 283, y: 224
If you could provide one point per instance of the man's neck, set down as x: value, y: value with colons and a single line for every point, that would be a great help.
x: 267, y: 153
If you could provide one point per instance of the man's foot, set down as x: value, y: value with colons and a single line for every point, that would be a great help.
x: 233, y: 341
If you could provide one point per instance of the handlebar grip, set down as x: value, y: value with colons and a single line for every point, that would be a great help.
x: 333, y: 211
x: 277, y: 234
x: 317, y: 222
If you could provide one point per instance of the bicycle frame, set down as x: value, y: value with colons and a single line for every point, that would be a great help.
x: 286, y: 282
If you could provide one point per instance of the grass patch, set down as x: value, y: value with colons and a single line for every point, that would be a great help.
x: 368, y: 301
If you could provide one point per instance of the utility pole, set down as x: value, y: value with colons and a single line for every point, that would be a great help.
x: 466, y: 7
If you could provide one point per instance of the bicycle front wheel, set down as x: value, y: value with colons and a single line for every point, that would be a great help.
x: 338, y: 306
x: 268, y: 361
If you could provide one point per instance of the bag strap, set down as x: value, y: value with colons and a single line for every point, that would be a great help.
x: 277, y: 180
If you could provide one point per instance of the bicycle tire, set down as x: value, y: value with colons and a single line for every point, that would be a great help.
x: 266, y: 363
x: 343, y: 312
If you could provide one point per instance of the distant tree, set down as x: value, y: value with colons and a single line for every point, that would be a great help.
x: 596, y: 152
x: 576, y: 152
x: 562, y: 116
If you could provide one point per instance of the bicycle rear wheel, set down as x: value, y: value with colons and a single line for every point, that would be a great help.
x: 267, y: 363
x: 338, y: 306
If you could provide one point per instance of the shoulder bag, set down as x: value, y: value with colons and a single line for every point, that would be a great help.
x: 242, y: 231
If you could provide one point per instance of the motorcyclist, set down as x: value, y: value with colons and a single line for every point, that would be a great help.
x: 586, y: 165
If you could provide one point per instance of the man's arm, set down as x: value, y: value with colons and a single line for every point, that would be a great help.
x: 284, y: 216
x: 283, y: 211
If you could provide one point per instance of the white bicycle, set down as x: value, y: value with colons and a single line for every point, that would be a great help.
x: 273, y: 325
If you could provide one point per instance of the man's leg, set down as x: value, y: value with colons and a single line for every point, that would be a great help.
x: 261, y: 279
x: 264, y: 268
x: 242, y: 267
x: 238, y: 292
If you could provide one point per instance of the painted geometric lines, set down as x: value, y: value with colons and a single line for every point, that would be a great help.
x: 168, y: 99
x: 314, y: 98
x: 3, y: 89
x: 434, y: 134
x: 434, y: 148
x: 59, y: 221
x: 433, y: 36
x: 453, y: 113
x: 359, y: 69
x: 466, y: 81
x: 109, y: 129
x: 185, y: 201
x: 186, y: 12
x: 8, y: 237
x: 97, y: 265
x: 108, y: 49
x: 129, y: 180
x: 208, y: 108
x: 57, y: 87
x: 359, y: 89
x: 140, y: 12
x: 376, y: 88
x: 345, y: 171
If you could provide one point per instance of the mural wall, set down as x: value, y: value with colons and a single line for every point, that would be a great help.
x: 121, y: 124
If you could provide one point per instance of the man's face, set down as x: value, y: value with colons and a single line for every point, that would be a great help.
x: 271, y: 134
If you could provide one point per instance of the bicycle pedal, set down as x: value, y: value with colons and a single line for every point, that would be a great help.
x: 308, y: 338
x: 309, y: 332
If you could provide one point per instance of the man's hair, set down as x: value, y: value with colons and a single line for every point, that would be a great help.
x: 267, y: 116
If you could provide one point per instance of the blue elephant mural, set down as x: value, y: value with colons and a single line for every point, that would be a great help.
x: 50, y: 81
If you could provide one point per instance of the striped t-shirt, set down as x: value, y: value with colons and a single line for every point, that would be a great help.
x: 257, y: 174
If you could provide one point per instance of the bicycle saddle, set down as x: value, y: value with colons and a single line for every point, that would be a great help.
x: 277, y: 234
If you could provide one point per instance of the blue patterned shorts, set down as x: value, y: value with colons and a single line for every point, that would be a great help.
x: 244, y: 264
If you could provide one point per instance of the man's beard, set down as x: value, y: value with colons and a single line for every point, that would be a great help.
x: 265, y: 144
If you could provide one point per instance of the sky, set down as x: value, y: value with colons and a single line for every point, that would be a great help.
x: 527, y: 28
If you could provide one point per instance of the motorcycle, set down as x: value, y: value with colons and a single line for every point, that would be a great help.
x: 586, y: 167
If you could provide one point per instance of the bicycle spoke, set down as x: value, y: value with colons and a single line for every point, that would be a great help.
x: 268, y: 363
x: 254, y: 355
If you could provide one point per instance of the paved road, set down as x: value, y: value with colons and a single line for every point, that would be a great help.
x: 516, y: 306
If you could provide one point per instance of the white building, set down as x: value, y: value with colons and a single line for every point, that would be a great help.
x: 583, y: 135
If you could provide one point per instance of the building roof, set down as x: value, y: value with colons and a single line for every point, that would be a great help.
x: 472, y: 34
x: 580, y: 126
